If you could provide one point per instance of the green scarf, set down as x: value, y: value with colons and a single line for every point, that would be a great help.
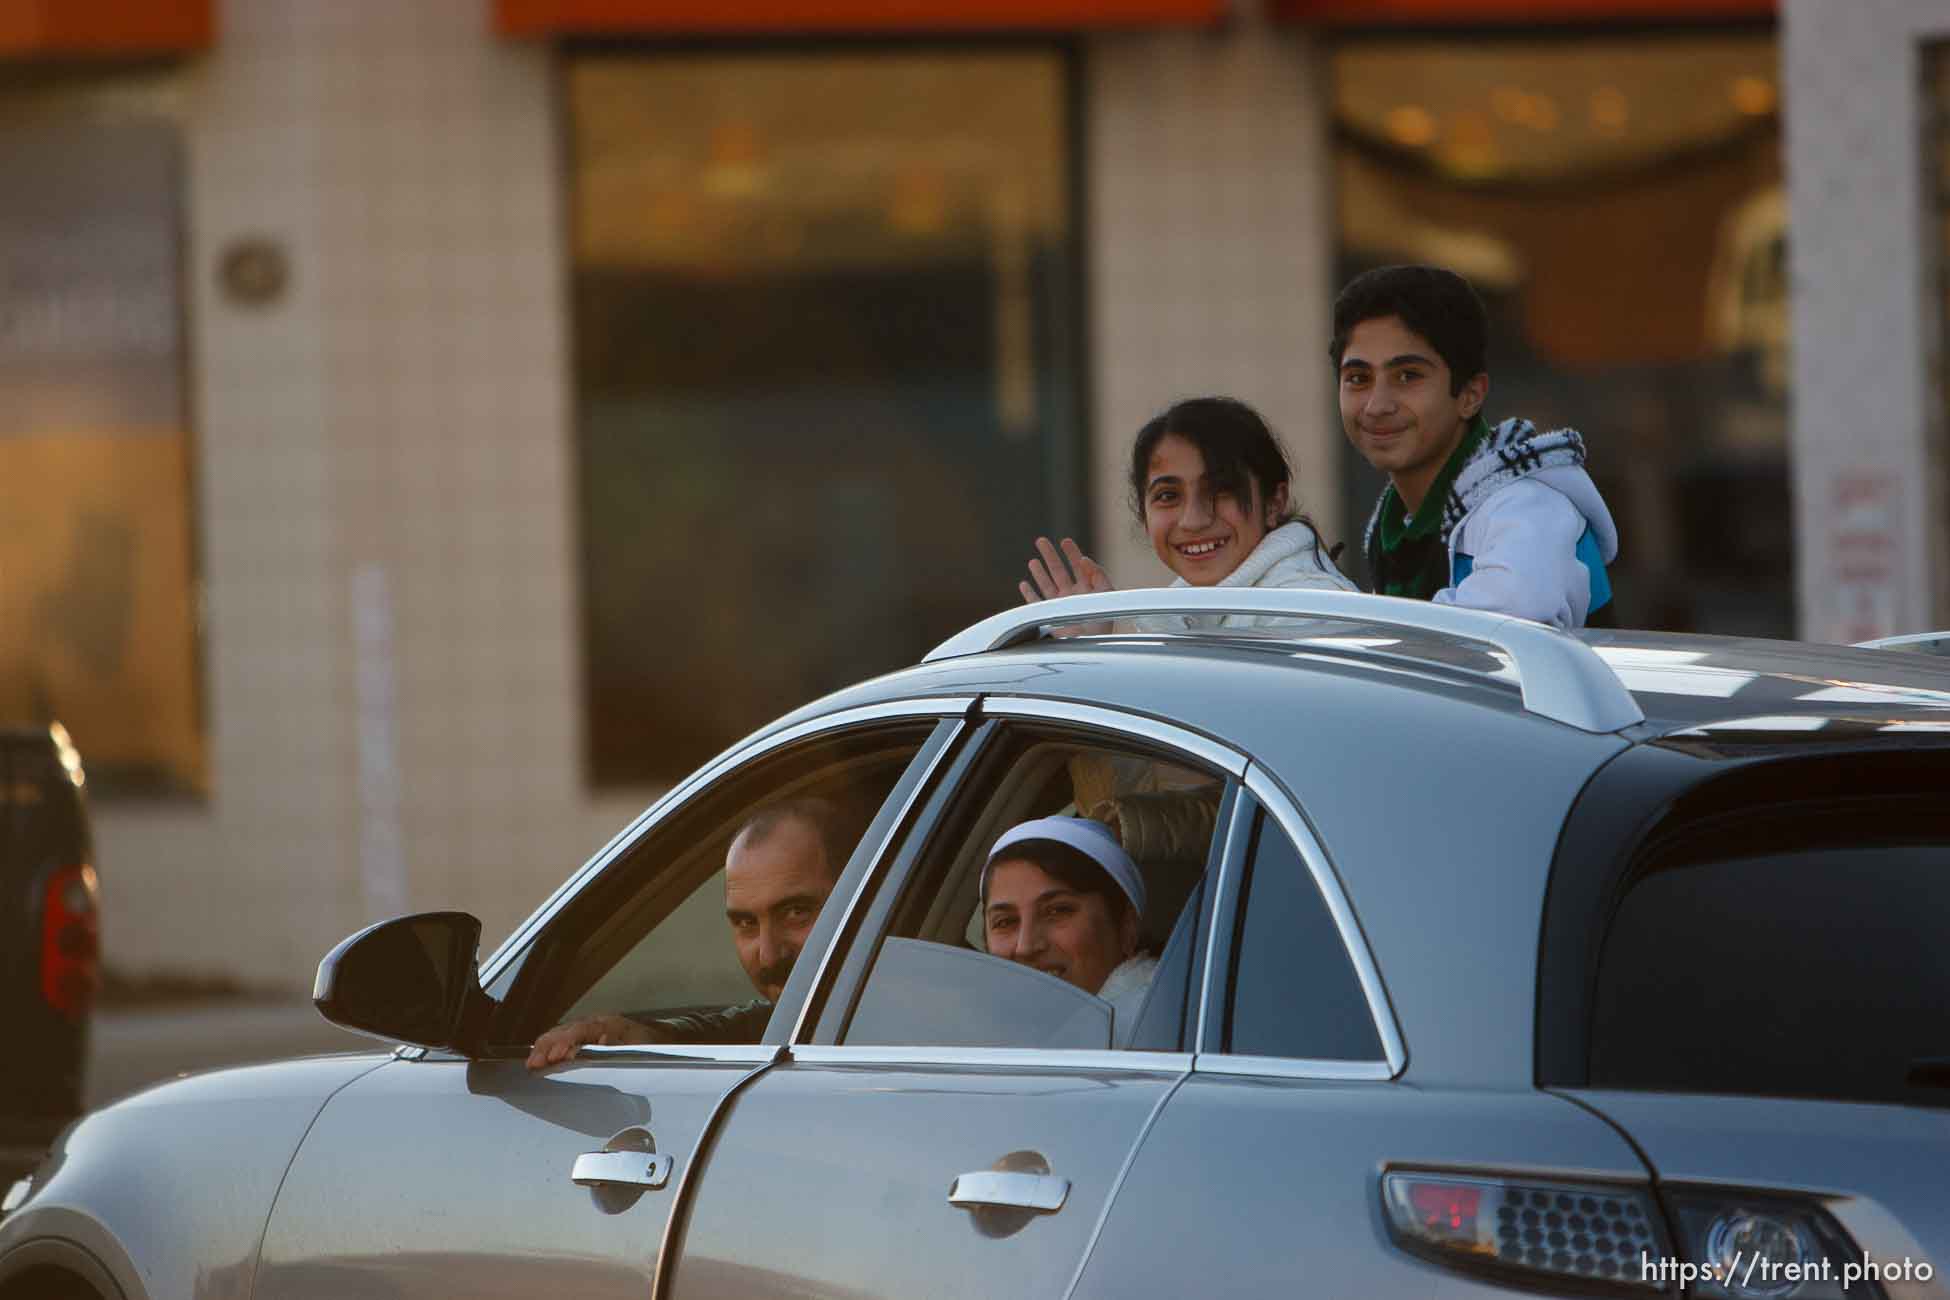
x: 1412, y: 555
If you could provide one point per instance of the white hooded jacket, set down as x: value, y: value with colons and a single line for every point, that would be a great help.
x: 1527, y: 532
x: 1516, y: 519
x: 1125, y: 989
x: 1289, y: 556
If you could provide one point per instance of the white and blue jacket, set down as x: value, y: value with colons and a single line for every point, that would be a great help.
x: 1527, y: 532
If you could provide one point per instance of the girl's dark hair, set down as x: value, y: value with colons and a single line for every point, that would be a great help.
x: 1075, y: 868
x: 1239, y: 449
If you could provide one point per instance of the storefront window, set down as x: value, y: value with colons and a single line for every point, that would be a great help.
x: 1617, y: 200
x: 97, y: 582
x: 826, y: 372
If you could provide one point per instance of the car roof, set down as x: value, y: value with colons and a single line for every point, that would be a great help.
x: 1681, y: 683
x: 1689, y: 682
x: 1642, y: 684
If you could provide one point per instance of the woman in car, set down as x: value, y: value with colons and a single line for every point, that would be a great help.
x: 1212, y: 488
x: 1061, y: 894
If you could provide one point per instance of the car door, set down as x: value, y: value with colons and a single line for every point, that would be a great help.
x: 437, y: 1176
x: 943, y: 1126
x: 1264, y: 1175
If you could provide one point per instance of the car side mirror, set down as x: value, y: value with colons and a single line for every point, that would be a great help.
x: 411, y: 979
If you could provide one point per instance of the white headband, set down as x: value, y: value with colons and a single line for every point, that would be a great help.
x: 1087, y: 836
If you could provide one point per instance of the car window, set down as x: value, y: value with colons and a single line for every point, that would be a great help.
x: 1051, y: 955
x: 1787, y: 956
x: 694, y: 927
x: 1294, y: 991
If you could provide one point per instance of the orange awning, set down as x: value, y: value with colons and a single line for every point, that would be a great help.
x: 756, y: 17
x: 105, y: 28
x: 1490, y: 12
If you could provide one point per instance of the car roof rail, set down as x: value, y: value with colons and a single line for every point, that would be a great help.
x: 1561, y: 677
x: 1936, y: 643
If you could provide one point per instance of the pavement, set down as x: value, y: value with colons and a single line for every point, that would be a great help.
x: 132, y: 1049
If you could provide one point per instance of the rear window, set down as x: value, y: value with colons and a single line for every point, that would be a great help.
x: 1785, y: 955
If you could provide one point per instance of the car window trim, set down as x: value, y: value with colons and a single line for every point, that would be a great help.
x: 936, y: 763
x: 697, y: 783
x: 1008, y: 1058
x: 1130, y: 725
x: 842, y: 966
x: 1269, y: 796
x: 1238, y: 839
x: 673, y: 1053
x: 995, y: 709
x: 1293, y: 1067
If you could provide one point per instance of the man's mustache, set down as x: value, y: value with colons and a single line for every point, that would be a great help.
x: 776, y: 972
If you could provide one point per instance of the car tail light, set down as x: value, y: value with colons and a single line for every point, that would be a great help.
x: 1604, y: 1236
x: 1746, y: 1247
x: 1732, y: 1245
x: 71, y: 941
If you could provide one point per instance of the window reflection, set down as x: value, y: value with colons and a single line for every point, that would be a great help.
x: 97, y: 585
x: 825, y: 371
x: 1618, y: 202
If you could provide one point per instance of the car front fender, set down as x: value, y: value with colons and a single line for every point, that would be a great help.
x: 168, y: 1191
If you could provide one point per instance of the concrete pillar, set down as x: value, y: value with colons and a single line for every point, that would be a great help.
x: 1211, y: 242
x: 1868, y: 403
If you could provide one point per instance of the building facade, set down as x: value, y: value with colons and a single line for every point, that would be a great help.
x: 568, y: 387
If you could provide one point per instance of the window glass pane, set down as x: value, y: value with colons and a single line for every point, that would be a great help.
x: 1617, y: 200
x: 1770, y: 968
x: 1048, y: 950
x: 823, y: 311
x: 691, y: 937
x: 1294, y: 990
x: 97, y: 585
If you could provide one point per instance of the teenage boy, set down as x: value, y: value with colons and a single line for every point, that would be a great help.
x: 1500, y: 518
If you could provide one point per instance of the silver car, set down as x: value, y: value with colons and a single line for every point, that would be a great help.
x: 1489, y: 960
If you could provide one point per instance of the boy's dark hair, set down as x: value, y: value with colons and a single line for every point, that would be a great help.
x: 1437, y: 304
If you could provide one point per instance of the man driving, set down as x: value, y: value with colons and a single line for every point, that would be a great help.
x: 781, y: 866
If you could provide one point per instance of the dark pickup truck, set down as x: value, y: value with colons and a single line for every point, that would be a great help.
x: 49, y: 938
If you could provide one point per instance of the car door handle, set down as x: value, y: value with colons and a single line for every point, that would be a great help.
x: 1041, y: 1192
x: 621, y: 1169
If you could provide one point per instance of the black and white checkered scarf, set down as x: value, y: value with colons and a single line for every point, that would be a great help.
x: 1513, y: 450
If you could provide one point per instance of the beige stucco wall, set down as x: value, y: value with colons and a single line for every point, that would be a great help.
x: 1211, y: 251
x: 384, y: 484
x: 1868, y: 404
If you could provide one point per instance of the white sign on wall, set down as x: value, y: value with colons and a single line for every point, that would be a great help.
x: 1863, y: 552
